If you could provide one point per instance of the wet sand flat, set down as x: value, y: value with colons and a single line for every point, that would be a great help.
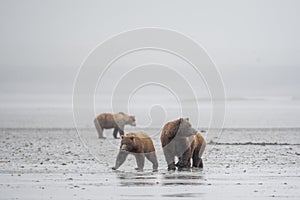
x: 240, y: 164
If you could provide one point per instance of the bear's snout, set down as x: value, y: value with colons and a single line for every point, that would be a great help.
x: 124, y: 147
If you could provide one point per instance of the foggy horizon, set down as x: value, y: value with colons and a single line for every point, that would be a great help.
x: 257, y: 53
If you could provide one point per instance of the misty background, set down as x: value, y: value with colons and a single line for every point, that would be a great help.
x: 255, y: 45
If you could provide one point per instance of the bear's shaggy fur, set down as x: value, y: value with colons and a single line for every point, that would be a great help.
x: 116, y: 121
x: 179, y: 139
x: 197, y: 149
x: 141, y: 146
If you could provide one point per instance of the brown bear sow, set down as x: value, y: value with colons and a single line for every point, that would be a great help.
x: 141, y: 146
x: 116, y: 121
x: 180, y: 140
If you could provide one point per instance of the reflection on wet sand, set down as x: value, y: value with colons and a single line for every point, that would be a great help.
x: 192, y: 177
x: 163, y: 178
x: 183, y: 195
x: 137, y: 179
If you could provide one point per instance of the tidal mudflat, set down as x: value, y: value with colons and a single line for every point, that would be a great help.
x: 49, y: 163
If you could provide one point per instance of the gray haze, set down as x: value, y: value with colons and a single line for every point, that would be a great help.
x: 255, y: 44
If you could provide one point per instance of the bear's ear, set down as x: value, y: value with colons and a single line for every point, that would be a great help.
x: 187, y: 119
x: 132, y: 137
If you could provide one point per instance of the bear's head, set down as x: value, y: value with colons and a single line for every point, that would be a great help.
x: 128, y: 143
x: 185, y: 128
x: 131, y: 120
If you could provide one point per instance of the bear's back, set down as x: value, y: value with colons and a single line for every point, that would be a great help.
x: 106, y: 120
x: 144, y: 141
x: 120, y: 118
x: 169, y: 131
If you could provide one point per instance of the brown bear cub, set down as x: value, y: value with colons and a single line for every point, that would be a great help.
x: 116, y: 121
x: 180, y: 140
x: 141, y: 146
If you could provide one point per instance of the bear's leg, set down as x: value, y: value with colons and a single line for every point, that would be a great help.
x: 179, y: 158
x: 184, y: 162
x: 196, y: 160
x: 121, y: 131
x: 120, y: 159
x: 186, y: 165
x: 153, y: 159
x: 115, y: 133
x: 98, y: 128
x: 140, y: 161
x: 201, y: 163
x: 169, y: 155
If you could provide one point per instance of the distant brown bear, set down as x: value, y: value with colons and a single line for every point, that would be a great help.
x: 141, y: 146
x: 116, y: 121
x: 180, y: 140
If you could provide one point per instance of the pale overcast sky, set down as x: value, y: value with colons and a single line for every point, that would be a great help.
x: 255, y: 44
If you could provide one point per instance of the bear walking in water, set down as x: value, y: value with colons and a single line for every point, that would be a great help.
x: 141, y: 146
x: 180, y: 140
x: 115, y: 121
